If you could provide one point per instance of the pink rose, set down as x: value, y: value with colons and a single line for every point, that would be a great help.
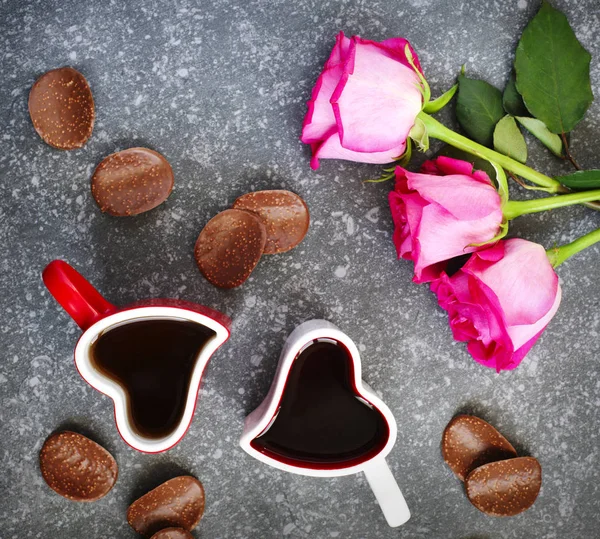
x: 442, y: 213
x: 364, y: 102
x: 501, y: 301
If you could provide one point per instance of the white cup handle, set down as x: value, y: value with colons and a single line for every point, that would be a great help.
x: 388, y: 494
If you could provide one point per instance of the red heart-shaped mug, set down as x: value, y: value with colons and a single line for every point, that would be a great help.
x: 148, y: 357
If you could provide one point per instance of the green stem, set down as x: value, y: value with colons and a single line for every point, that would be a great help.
x: 514, y: 208
x: 439, y: 131
x: 559, y: 254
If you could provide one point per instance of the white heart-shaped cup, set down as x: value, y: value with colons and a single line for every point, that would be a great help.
x: 97, y: 317
x: 299, y: 412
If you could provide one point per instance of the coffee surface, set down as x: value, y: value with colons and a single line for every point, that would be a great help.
x: 152, y: 360
x: 321, y: 420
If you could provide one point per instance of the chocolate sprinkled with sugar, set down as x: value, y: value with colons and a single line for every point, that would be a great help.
x: 62, y: 109
x: 76, y: 467
x: 469, y: 442
x: 173, y: 533
x: 505, y: 488
x: 179, y: 502
x: 285, y: 215
x: 230, y: 246
x: 132, y: 181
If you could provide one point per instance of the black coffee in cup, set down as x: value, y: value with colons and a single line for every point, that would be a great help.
x: 152, y: 360
x: 321, y: 420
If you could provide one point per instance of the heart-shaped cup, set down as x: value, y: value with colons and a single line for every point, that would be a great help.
x: 148, y: 357
x: 320, y: 419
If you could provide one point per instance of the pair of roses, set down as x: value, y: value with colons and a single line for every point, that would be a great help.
x: 367, y: 105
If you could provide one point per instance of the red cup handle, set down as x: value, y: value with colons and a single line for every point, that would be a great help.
x: 76, y: 295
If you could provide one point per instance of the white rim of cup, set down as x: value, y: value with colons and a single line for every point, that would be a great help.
x: 113, y: 390
x: 258, y: 421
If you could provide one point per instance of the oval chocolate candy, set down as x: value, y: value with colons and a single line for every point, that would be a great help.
x: 179, y: 503
x: 173, y: 533
x: 61, y: 107
x: 469, y: 442
x: 505, y: 488
x: 284, y: 214
x: 132, y: 181
x: 76, y: 467
x: 230, y: 246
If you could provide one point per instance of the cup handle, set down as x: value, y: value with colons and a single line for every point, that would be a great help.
x: 75, y: 294
x: 388, y: 494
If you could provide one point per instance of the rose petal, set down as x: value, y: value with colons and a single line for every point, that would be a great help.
x: 376, y: 101
x: 319, y: 121
x: 524, y: 281
x: 458, y: 194
x: 521, y: 336
x: 401, y: 237
x: 395, y: 47
x: 331, y: 148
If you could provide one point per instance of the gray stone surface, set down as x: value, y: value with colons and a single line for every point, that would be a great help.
x: 220, y: 88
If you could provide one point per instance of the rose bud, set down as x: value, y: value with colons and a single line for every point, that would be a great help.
x: 442, y: 214
x: 501, y: 301
x: 365, y: 101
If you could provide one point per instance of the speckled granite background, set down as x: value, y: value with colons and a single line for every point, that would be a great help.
x: 220, y: 88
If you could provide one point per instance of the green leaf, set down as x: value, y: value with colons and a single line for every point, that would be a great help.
x: 478, y: 109
x: 439, y: 103
x: 553, y: 71
x: 512, y: 100
x: 538, y: 129
x: 509, y: 140
x: 582, y: 180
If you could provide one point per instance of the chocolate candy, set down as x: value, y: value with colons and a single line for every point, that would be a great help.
x: 505, y: 488
x: 469, y: 442
x: 61, y: 107
x: 76, y: 467
x: 178, y: 502
x: 230, y: 246
x: 132, y: 181
x: 173, y: 533
x: 284, y: 214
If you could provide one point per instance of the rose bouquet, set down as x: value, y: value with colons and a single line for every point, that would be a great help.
x: 372, y: 104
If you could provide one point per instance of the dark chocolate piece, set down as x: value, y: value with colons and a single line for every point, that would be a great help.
x: 229, y: 247
x: 179, y: 502
x: 284, y: 214
x: 173, y: 533
x: 61, y: 107
x: 505, y: 488
x: 76, y: 467
x: 469, y: 442
x: 132, y: 181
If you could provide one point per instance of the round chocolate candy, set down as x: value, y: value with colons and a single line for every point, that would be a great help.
x: 76, y: 467
x: 132, y: 181
x: 61, y: 107
x: 179, y: 503
x: 469, y: 442
x: 284, y: 214
x: 173, y: 533
x: 230, y: 246
x: 505, y: 488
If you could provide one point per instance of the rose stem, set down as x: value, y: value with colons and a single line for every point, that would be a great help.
x: 439, y: 131
x: 514, y: 208
x: 558, y: 255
